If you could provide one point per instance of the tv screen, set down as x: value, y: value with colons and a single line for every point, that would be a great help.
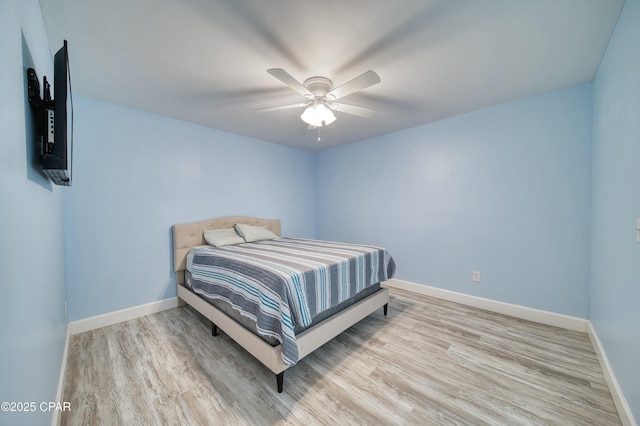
x: 57, y: 157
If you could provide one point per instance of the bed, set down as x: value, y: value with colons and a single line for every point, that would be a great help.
x: 297, y: 332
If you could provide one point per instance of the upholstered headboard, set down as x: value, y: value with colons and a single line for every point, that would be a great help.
x: 188, y: 235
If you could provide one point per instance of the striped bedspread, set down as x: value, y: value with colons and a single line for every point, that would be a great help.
x: 282, y: 283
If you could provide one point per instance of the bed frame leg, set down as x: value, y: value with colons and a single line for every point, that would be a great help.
x: 214, y: 329
x: 385, y: 308
x: 280, y: 381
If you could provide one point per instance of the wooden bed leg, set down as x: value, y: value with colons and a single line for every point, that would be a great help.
x: 280, y: 381
x: 385, y: 308
x: 214, y: 329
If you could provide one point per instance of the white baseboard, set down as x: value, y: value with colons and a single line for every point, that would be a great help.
x: 624, y: 411
x: 523, y: 312
x: 116, y: 317
x: 55, y: 420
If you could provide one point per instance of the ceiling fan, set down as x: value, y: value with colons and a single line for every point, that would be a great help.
x: 322, y: 97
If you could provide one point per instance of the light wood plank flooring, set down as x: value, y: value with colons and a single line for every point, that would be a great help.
x: 428, y: 362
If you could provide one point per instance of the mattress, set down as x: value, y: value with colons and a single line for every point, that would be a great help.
x: 278, y: 288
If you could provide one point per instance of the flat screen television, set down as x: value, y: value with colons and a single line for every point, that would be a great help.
x: 54, y: 118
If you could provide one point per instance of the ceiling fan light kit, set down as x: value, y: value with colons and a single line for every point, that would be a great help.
x: 320, y: 94
x: 318, y: 114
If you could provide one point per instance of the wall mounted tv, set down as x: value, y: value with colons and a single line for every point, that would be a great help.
x: 54, y: 118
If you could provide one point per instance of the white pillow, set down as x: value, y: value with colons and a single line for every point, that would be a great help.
x: 252, y: 233
x: 222, y: 237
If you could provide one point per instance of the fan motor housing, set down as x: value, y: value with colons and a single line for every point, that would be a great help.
x: 318, y: 86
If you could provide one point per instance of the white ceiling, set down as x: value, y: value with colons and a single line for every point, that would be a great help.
x: 205, y: 61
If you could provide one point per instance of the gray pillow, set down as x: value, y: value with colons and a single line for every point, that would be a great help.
x: 222, y: 237
x: 252, y: 233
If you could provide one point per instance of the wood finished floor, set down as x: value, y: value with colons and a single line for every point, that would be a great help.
x: 428, y: 362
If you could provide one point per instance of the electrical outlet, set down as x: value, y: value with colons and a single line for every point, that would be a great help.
x: 476, y: 276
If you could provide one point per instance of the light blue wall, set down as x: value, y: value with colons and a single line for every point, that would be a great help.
x: 32, y: 318
x: 137, y: 174
x: 615, y: 254
x: 503, y: 191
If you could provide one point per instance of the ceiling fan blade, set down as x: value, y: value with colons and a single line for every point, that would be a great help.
x: 354, y: 110
x: 282, y: 107
x: 362, y: 81
x: 286, y: 78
